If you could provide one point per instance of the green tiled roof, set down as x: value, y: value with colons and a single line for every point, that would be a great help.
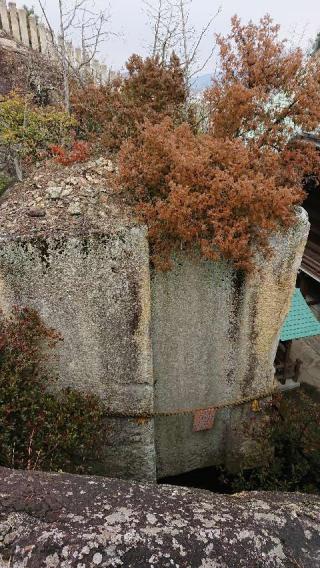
x: 300, y: 320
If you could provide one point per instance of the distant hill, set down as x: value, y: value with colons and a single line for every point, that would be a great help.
x: 201, y: 83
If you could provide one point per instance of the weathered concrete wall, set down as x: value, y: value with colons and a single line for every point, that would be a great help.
x: 96, y: 292
x: 215, y: 333
x: 65, y: 521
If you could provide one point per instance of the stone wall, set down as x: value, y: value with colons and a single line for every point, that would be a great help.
x: 27, y: 30
x: 215, y: 334
x: 65, y: 521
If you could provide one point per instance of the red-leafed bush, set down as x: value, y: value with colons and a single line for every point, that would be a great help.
x: 79, y: 152
x: 41, y: 427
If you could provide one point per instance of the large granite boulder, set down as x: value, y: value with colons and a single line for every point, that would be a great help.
x: 154, y: 346
x: 60, y: 520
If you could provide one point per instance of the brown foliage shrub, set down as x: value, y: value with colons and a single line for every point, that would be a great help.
x: 198, y: 190
x: 226, y: 191
x: 266, y: 94
x: 109, y: 114
x: 264, y: 91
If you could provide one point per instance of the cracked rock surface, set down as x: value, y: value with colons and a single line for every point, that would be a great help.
x: 60, y: 520
x: 57, y: 200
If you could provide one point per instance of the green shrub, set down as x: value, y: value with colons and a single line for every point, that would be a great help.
x: 4, y: 183
x: 41, y: 427
x: 28, y: 131
x: 287, y: 447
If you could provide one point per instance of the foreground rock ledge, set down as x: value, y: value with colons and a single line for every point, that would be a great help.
x: 64, y: 521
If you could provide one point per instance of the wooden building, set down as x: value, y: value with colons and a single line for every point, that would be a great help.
x: 311, y: 259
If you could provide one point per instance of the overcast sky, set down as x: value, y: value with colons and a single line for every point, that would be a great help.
x: 299, y: 20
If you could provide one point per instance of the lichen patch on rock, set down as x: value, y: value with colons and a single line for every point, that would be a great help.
x: 66, y: 521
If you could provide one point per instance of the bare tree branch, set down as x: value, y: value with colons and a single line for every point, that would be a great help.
x: 72, y: 14
x: 203, y: 33
x: 76, y: 15
x: 47, y: 21
x: 157, y: 27
x: 172, y: 31
x: 184, y: 19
